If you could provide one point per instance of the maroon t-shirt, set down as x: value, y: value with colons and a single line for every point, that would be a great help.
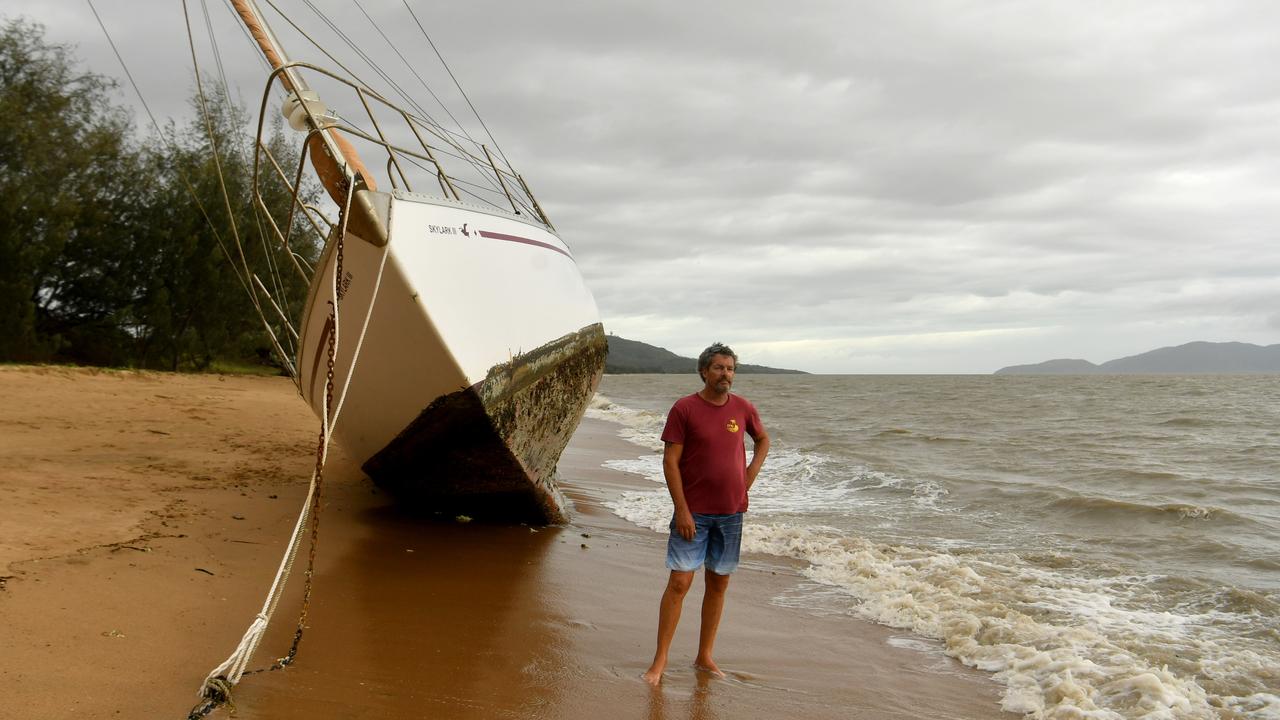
x: 713, y: 464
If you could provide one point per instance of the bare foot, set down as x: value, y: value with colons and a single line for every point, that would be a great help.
x: 653, y: 675
x: 709, y: 665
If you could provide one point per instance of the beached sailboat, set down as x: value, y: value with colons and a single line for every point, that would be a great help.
x: 447, y: 341
x: 454, y: 334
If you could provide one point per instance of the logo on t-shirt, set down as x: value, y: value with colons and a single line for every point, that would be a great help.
x: 732, y: 425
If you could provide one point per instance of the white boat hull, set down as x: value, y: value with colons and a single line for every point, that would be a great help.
x: 481, y: 338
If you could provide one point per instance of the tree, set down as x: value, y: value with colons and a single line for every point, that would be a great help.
x: 134, y: 253
x: 64, y: 192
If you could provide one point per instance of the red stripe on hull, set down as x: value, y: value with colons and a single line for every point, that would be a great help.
x: 524, y: 240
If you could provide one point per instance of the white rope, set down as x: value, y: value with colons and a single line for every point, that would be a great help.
x: 233, y: 668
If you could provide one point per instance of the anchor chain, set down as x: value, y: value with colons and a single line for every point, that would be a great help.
x: 219, y: 691
x: 320, y: 460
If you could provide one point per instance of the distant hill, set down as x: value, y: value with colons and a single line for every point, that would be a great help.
x: 1190, y: 359
x: 633, y: 356
x: 1052, y: 367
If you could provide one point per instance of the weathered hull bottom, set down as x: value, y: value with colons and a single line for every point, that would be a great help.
x: 490, y: 451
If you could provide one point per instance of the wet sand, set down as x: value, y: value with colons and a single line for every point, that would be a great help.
x: 142, y: 517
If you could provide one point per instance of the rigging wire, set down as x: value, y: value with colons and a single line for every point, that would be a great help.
x: 267, y: 255
x: 222, y: 185
x: 457, y: 84
x: 217, y: 54
x: 432, y: 92
x: 413, y: 70
x: 373, y: 65
x: 427, y: 121
x: 186, y: 181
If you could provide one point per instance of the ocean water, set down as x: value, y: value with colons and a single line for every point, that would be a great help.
x: 1107, y: 547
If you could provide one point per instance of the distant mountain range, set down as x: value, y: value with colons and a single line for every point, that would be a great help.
x: 633, y: 356
x: 1190, y: 359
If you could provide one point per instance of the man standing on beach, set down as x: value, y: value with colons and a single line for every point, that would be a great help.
x: 705, y: 464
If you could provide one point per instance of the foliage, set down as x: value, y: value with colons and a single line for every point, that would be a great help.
x: 123, y: 252
x: 60, y: 144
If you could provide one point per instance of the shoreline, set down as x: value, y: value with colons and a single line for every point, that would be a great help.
x: 146, y: 514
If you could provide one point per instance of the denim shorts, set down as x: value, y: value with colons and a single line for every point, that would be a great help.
x: 716, y: 542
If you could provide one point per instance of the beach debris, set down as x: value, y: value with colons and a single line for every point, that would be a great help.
x: 463, y: 518
x: 157, y: 432
x: 584, y: 546
x: 586, y: 535
x: 112, y: 634
x: 237, y: 517
x: 206, y: 572
x: 408, y: 549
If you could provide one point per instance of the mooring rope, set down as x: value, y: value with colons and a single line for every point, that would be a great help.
x: 217, y: 685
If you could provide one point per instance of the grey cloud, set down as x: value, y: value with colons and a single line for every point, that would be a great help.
x: 934, y: 186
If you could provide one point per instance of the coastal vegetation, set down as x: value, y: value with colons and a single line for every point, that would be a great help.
x: 116, y: 246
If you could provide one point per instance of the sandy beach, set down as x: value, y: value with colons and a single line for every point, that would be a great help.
x: 142, y: 516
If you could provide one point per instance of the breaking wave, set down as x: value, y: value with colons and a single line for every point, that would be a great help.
x: 1063, y: 645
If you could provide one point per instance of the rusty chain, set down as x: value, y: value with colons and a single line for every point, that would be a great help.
x: 221, y: 692
x: 320, y: 459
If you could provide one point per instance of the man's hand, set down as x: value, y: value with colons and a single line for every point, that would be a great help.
x: 684, y: 524
x: 671, y: 469
x: 758, y: 455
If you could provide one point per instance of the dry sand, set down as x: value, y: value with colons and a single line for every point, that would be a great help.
x: 142, y: 517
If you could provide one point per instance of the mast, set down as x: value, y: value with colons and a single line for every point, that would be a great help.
x: 335, y: 160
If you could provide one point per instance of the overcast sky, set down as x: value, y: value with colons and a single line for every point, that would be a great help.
x: 856, y: 187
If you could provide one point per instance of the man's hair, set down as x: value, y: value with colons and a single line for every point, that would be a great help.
x: 715, y: 348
